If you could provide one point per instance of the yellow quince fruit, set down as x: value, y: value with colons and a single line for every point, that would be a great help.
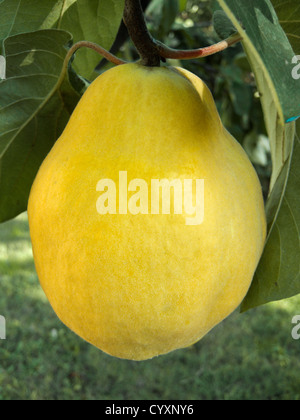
x: 147, y: 218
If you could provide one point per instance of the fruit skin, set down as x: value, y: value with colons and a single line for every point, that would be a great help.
x: 138, y: 286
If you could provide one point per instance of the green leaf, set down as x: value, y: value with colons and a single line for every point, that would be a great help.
x: 278, y: 275
x: 182, y: 5
x: 91, y: 20
x: 19, y: 16
x: 163, y: 13
x: 223, y: 25
x: 34, y: 110
x: 270, y: 54
x: 94, y: 21
x: 267, y: 43
x: 288, y: 13
x: 272, y: 85
x: 170, y: 11
x: 240, y: 92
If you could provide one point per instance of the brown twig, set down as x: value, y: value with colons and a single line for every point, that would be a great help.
x: 112, y: 58
x: 167, y: 52
x: 106, y: 54
x: 152, y: 52
x: 135, y: 22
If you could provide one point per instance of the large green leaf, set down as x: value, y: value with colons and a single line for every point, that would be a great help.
x: 266, y: 41
x: 270, y: 55
x: 278, y: 275
x: 273, y: 72
x: 95, y: 21
x: 90, y: 20
x: 19, y: 16
x: 288, y: 13
x: 34, y: 109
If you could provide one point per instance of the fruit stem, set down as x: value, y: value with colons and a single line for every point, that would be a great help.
x: 167, y: 52
x: 135, y: 22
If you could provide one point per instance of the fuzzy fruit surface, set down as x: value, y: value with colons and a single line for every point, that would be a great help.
x: 141, y: 285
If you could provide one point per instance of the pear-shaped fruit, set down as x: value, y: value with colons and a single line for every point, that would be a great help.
x: 135, y: 269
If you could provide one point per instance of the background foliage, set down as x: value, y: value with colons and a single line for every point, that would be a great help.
x: 254, y: 94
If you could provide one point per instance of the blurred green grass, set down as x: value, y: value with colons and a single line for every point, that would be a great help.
x: 249, y: 356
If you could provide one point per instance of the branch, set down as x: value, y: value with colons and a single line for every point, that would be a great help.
x: 106, y: 54
x: 167, y: 52
x: 152, y: 52
x: 138, y: 31
x: 112, y: 58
